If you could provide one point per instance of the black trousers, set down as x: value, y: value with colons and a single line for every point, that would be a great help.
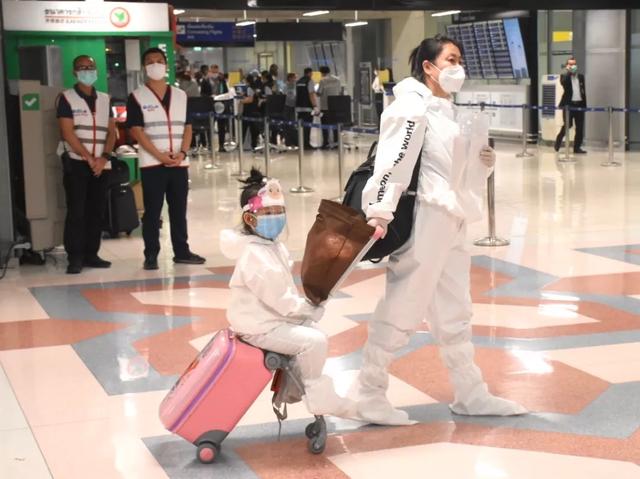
x: 254, y: 128
x: 306, y: 117
x: 577, y: 118
x: 86, y: 198
x: 290, y: 132
x: 223, y: 125
x: 158, y: 183
x: 328, y: 119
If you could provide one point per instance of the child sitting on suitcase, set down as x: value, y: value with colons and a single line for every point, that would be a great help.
x: 266, y: 309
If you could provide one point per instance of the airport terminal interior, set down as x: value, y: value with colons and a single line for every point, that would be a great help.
x: 89, y: 361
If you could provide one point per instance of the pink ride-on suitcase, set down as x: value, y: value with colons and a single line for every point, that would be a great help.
x: 218, y: 387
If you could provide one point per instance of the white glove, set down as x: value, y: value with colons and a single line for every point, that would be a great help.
x: 317, y: 314
x: 382, y: 223
x: 488, y: 156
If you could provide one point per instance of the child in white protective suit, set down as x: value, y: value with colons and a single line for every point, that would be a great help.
x: 266, y: 309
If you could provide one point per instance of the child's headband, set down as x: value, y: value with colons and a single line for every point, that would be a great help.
x: 269, y: 195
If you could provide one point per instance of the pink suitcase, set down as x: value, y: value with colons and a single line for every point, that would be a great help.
x: 214, y: 393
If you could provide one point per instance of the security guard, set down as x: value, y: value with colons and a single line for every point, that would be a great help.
x: 306, y: 103
x: 157, y: 118
x: 88, y: 135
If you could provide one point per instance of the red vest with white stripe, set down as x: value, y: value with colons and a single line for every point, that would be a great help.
x: 91, y: 128
x: 164, y: 128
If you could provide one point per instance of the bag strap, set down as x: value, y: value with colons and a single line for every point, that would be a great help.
x: 413, y: 184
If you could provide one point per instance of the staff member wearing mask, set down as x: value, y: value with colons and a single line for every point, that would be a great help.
x: 89, y: 133
x: 574, y: 96
x: 429, y: 276
x: 306, y: 103
x: 157, y: 117
x: 329, y: 86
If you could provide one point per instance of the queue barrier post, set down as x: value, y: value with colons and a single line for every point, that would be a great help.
x: 239, y: 142
x: 213, y: 164
x: 567, y: 158
x: 525, y: 133
x: 300, y: 188
x: 266, y: 136
x: 492, y: 239
x: 611, y: 160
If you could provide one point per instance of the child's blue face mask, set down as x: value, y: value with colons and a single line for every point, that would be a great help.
x: 270, y: 226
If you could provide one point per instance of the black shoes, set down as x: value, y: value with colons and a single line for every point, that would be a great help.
x: 74, y: 268
x: 150, y: 264
x: 579, y: 151
x: 191, y: 258
x: 96, y: 262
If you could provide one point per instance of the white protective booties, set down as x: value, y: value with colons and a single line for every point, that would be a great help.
x: 371, y: 387
x: 472, y: 396
x: 321, y: 399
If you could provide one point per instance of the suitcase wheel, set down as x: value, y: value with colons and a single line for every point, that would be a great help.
x: 208, y: 452
x: 317, y: 434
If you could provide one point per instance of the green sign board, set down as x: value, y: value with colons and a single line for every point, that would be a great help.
x: 31, y: 101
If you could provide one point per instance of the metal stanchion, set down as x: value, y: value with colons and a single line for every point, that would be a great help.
x: 230, y: 144
x: 340, y: 162
x: 492, y: 239
x: 213, y: 164
x: 567, y: 158
x: 239, y: 141
x: 525, y: 133
x: 266, y: 146
x: 611, y: 161
x: 300, y: 188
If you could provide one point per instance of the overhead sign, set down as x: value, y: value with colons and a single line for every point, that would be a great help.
x: 207, y: 33
x: 96, y: 17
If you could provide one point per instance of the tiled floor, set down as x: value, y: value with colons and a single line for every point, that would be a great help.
x: 86, y: 360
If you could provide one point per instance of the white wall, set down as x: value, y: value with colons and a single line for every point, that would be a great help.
x: 407, y: 31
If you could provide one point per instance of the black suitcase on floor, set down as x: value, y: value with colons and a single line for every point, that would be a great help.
x: 121, y: 215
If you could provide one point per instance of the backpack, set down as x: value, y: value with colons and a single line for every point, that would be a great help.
x: 399, y: 229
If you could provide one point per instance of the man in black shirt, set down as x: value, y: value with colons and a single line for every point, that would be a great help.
x: 88, y: 135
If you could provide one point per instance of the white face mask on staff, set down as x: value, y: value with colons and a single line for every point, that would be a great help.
x: 451, y: 78
x: 156, y: 71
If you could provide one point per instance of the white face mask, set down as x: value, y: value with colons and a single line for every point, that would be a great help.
x: 156, y: 71
x: 451, y: 78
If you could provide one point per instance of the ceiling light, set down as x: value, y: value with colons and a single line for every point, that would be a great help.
x: 444, y: 14
x: 178, y: 11
x: 315, y: 13
x: 245, y: 22
x: 356, y: 22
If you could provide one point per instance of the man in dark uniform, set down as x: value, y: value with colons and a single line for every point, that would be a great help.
x: 574, y: 96
x: 306, y: 103
x: 88, y: 135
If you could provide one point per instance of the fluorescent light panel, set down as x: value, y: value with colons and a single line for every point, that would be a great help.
x: 245, y: 23
x: 444, y: 14
x: 315, y: 13
x: 356, y: 24
x: 178, y: 11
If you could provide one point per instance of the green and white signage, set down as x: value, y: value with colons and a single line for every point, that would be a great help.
x: 36, y: 16
x: 31, y: 102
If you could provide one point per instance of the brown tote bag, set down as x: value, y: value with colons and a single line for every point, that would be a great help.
x: 336, y: 238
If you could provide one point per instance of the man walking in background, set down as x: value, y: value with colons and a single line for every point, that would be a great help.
x: 574, y: 96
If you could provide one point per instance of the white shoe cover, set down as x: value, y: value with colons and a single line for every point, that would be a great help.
x: 321, y: 399
x: 377, y: 409
x: 488, y: 405
x: 472, y: 396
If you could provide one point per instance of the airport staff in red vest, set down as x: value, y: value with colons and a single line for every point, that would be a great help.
x: 88, y: 136
x: 157, y: 118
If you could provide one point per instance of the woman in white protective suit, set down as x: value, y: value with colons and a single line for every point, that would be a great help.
x: 428, y: 278
x: 265, y: 308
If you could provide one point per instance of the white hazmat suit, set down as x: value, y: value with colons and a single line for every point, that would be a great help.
x: 267, y: 312
x: 429, y: 277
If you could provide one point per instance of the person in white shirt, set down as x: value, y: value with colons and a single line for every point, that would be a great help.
x: 429, y: 277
